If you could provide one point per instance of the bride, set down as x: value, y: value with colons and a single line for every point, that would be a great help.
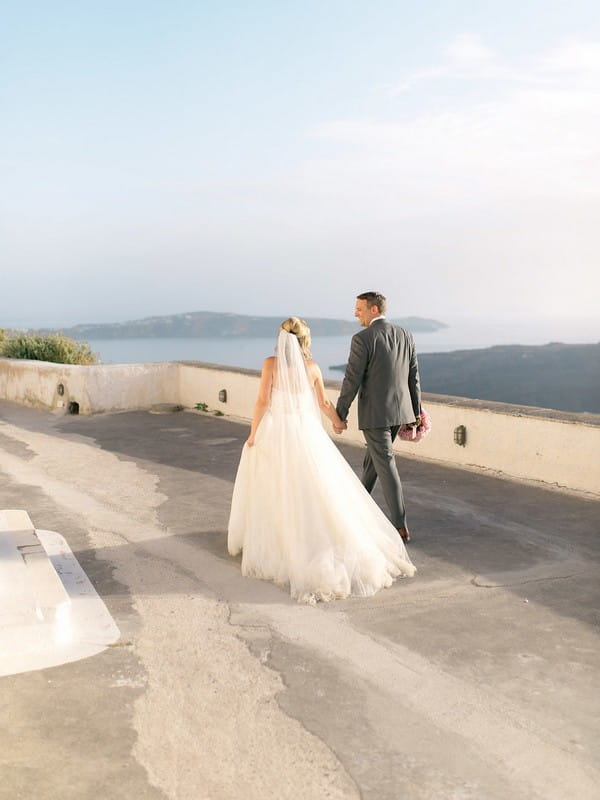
x: 299, y: 513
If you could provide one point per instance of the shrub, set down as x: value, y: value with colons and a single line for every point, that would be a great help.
x: 51, y: 347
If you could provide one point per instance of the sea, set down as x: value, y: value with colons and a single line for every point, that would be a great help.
x: 462, y: 333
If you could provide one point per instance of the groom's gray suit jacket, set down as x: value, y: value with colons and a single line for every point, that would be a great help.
x: 383, y: 369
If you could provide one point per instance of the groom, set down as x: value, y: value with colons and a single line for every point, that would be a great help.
x: 382, y: 368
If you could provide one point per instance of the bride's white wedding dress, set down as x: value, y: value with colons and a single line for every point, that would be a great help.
x: 299, y: 513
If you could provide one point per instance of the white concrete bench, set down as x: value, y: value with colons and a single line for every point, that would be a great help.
x: 30, y: 588
x: 50, y: 613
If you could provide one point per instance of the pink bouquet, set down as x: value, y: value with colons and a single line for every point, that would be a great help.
x: 415, y: 431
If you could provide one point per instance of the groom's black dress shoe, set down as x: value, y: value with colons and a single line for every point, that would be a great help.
x: 404, y: 534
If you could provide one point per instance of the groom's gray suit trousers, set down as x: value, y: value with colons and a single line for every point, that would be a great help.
x: 379, y: 462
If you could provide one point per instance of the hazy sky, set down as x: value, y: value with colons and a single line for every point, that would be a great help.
x: 279, y: 157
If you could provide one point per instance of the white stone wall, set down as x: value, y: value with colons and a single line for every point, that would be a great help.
x: 559, y: 449
x: 97, y: 388
x: 555, y: 448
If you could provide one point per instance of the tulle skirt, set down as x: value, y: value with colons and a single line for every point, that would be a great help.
x: 302, y: 518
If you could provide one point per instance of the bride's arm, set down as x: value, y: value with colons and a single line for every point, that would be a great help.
x: 325, y: 405
x: 263, y: 399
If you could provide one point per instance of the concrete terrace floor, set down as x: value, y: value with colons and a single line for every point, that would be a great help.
x: 479, y: 678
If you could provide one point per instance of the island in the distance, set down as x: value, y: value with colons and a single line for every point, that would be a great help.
x: 565, y: 377
x: 214, y: 324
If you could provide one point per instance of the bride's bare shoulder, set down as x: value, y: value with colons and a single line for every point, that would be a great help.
x: 313, y: 368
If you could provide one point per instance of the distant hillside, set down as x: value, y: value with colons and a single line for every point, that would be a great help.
x: 199, y: 324
x: 565, y: 377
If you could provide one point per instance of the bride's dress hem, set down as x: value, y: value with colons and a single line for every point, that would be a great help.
x: 313, y: 595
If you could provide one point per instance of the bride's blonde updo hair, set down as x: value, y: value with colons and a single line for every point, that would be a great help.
x: 301, y: 331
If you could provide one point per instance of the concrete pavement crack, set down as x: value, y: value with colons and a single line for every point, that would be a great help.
x: 475, y: 582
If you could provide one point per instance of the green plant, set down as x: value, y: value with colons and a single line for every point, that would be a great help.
x: 52, y: 347
x: 204, y: 407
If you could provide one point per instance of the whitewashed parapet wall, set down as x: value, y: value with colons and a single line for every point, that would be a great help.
x: 97, y: 388
x: 555, y: 448
x: 533, y: 444
x: 552, y: 447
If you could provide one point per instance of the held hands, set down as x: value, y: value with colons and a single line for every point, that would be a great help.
x: 340, y: 427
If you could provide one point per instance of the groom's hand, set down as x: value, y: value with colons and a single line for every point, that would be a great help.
x: 340, y: 427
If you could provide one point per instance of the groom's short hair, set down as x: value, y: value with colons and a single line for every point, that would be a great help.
x: 374, y: 299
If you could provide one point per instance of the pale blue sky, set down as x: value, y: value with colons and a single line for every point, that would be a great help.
x: 278, y: 158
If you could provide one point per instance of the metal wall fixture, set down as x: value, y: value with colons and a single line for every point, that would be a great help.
x: 460, y: 435
x: 223, y: 396
x: 60, y: 389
